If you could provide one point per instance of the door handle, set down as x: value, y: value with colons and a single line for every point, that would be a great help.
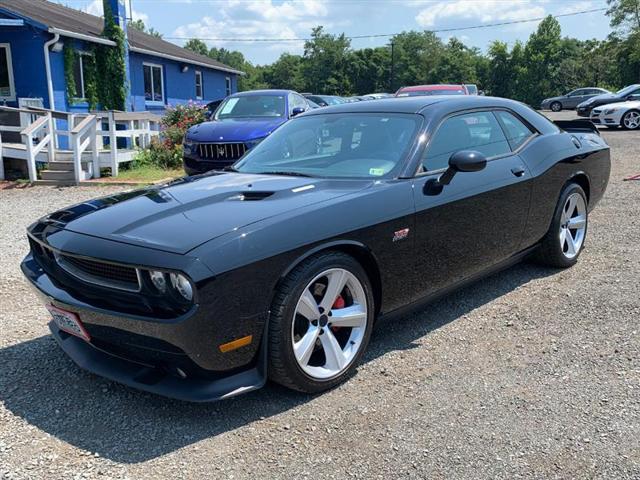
x: 518, y: 171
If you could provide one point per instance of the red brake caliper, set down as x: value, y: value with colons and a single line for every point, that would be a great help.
x: 339, y: 303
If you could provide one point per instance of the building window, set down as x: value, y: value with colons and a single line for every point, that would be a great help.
x: 78, y: 74
x: 7, y: 87
x: 227, y: 81
x: 153, y: 83
x: 199, y: 93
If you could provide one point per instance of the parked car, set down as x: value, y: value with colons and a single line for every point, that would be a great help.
x: 572, y: 99
x: 203, y: 288
x: 614, y: 115
x: 632, y: 92
x: 379, y: 95
x: 471, y: 88
x: 325, y: 100
x: 421, y: 90
x: 239, y: 123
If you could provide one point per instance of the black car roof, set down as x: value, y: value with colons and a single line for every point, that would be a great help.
x: 439, y: 106
x: 417, y: 104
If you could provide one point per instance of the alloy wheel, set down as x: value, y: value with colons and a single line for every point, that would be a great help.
x: 329, y: 323
x: 573, y: 225
x: 631, y: 120
x: 556, y: 107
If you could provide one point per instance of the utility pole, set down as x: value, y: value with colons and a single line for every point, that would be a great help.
x: 392, y: 72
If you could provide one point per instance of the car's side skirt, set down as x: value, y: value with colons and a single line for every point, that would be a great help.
x: 422, y: 302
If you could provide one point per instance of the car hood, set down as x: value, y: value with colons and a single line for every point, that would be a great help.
x: 605, y: 97
x: 190, y: 211
x: 233, y: 129
x: 626, y: 105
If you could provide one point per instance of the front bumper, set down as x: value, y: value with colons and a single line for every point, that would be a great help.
x: 160, y: 357
x: 584, y: 111
x: 194, y: 166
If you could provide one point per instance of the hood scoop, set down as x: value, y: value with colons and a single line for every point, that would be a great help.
x: 250, y: 196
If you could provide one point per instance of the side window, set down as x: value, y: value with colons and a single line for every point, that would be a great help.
x: 472, y: 131
x: 517, y: 132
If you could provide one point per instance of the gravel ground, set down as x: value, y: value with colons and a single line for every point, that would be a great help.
x: 532, y: 373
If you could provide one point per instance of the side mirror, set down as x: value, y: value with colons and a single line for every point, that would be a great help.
x: 461, y: 161
x: 297, y: 111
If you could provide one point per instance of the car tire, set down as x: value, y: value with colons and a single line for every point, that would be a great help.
x: 302, y: 353
x: 562, y: 244
x: 555, y: 106
x: 631, y: 120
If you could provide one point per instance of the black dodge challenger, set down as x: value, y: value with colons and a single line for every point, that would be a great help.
x: 278, y: 268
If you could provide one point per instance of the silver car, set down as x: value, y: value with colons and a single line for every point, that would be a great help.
x: 572, y: 99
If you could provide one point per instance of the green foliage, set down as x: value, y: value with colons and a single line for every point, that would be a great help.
x: 69, y: 61
x: 139, y: 25
x: 159, y: 155
x: 89, y: 76
x: 112, y: 84
x: 166, y: 152
x: 624, y: 15
x: 197, y: 46
x: 325, y: 58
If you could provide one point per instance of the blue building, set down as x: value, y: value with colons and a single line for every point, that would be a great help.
x: 35, y: 36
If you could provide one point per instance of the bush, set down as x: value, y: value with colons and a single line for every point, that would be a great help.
x: 166, y: 152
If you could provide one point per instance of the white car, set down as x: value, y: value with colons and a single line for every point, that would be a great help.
x: 613, y: 115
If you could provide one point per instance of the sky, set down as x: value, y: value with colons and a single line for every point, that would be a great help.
x: 225, y: 22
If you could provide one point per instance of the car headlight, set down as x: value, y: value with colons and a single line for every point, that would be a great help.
x: 159, y: 280
x: 187, y: 146
x: 182, y: 285
x: 178, y: 283
x: 609, y: 111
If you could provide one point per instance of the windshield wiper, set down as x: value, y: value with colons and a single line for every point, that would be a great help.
x: 290, y: 174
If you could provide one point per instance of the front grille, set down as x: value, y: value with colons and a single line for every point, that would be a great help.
x: 88, y: 270
x: 221, y: 151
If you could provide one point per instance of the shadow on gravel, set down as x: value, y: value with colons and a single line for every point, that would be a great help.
x: 41, y: 385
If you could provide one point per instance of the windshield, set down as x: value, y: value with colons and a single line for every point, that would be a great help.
x: 251, y: 106
x: 422, y: 93
x: 348, y: 145
x: 627, y: 90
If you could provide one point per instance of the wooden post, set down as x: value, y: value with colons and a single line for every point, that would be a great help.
x: 95, y: 155
x: 113, y: 143
x: 51, y: 126
x: 1, y: 160
x: 77, y: 157
x: 31, y: 158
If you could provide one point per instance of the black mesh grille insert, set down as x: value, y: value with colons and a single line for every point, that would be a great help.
x: 107, y: 271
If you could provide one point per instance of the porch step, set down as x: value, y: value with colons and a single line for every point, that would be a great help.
x: 57, y: 175
x: 65, y: 166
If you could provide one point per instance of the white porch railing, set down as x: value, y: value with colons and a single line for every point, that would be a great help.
x: 83, y: 136
x: 86, y: 133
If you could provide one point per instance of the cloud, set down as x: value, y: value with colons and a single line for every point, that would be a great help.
x: 485, y: 11
x: 259, y: 19
x: 95, y: 8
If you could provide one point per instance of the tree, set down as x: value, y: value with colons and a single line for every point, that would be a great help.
x: 624, y: 15
x: 457, y: 64
x: 197, y: 46
x: 542, y: 62
x: 139, y: 25
x: 502, y: 76
x: 369, y: 70
x: 286, y: 72
x: 324, y: 62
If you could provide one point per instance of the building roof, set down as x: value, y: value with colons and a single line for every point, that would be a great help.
x: 56, y: 16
